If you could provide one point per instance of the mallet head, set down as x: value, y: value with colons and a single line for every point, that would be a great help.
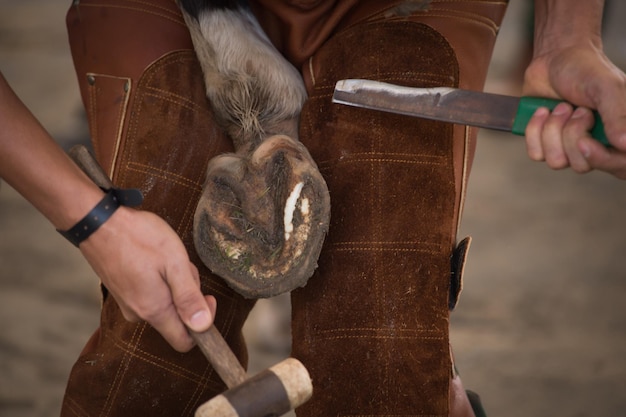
x: 270, y: 393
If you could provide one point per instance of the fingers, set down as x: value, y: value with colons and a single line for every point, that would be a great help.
x: 613, y: 110
x: 174, y: 304
x: 157, y: 308
x: 604, y: 159
x: 553, y: 148
x: 165, y: 320
x: 562, y: 139
x: 575, y: 132
x: 145, y: 266
x: 534, y: 129
x: 191, y: 305
x: 555, y: 137
x: 584, y: 75
x: 184, y: 307
x: 544, y: 135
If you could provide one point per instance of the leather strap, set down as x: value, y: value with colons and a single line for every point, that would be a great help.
x: 114, y: 198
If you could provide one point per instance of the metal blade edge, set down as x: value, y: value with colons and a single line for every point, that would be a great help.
x: 493, y: 111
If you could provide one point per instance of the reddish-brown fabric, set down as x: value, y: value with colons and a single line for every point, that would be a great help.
x: 372, y: 323
x: 299, y: 28
x: 117, y: 40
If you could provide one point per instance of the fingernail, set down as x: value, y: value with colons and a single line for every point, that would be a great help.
x: 560, y: 109
x: 200, y: 321
x: 584, y: 149
x: 578, y: 113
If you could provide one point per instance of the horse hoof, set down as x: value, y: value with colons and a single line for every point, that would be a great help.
x: 262, y: 218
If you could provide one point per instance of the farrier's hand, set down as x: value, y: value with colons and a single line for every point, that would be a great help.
x: 136, y: 254
x: 582, y: 75
x: 145, y: 266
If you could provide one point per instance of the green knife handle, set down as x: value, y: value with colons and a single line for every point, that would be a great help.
x: 528, y: 106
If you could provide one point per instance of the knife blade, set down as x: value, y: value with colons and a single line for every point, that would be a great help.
x: 453, y: 105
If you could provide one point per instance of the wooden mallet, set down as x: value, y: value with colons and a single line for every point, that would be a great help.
x: 270, y: 393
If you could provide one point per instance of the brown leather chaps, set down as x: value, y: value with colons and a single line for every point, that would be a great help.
x: 372, y: 323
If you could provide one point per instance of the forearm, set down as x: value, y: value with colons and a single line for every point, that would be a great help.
x: 137, y: 255
x: 32, y: 163
x: 563, y: 23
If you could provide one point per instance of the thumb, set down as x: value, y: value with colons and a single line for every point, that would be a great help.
x: 603, y: 159
x: 194, y: 309
x: 615, y: 126
x: 611, y: 105
x: 201, y: 320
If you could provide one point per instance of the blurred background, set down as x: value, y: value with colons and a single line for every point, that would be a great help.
x: 539, y: 330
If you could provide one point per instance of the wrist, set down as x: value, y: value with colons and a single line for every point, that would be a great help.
x: 68, y: 212
x: 96, y: 217
x: 562, y: 24
x: 554, y: 43
x: 100, y: 213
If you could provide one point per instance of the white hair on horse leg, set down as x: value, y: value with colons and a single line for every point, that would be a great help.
x: 252, y: 87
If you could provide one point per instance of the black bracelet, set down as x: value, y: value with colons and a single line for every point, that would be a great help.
x: 114, y: 198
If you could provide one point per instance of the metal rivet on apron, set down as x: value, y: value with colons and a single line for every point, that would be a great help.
x: 91, y: 79
x: 126, y: 86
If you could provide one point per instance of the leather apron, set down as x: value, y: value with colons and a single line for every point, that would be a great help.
x: 372, y: 323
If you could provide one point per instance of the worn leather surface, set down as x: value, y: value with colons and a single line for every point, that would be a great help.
x: 113, y: 42
x: 371, y: 325
x: 299, y: 27
x: 377, y: 311
x: 158, y: 136
x: 397, y: 187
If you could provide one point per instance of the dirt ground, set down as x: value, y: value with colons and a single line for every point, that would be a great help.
x: 539, y: 330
